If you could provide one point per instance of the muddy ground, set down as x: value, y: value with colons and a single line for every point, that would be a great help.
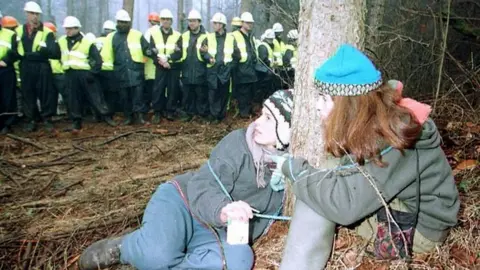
x: 60, y: 193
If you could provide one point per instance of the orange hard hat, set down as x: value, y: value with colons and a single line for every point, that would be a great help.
x: 153, y: 16
x: 50, y: 26
x: 9, y: 21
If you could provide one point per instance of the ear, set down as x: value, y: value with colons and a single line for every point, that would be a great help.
x: 396, y: 85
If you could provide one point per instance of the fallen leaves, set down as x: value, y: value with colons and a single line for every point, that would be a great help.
x: 468, y: 164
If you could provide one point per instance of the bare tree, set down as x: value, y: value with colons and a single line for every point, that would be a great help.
x: 247, y: 5
x: 128, y: 6
x: 180, y: 12
x: 319, y: 38
x: 376, y: 11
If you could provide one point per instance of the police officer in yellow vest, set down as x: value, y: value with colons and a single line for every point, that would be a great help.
x: 80, y: 61
x: 58, y: 77
x: 245, y: 58
x: 290, y: 57
x: 153, y: 20
x: 8, y: 56
x: 265, y: 65
x: 194, y: 70
x: 10, y: 23
x: 219, y: 59
x: 106, y: 76
x: 167, y: 44
x: 236, y: 24
x: 125, y: 50
x: 278, y: 52
x: 36, y: 45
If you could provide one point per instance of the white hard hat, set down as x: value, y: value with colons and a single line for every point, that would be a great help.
x: 269, y: 34
x: 219, y: 18
x: 194, y: 15
x: 247, y: 17
x: 109, y: 25
x: 292, y: 34
x: 277, y: 27
x: 122, y: 15
x: 91, y: 37
x: 166, y: 14
x: 70, y: 22
x: 32, y: 7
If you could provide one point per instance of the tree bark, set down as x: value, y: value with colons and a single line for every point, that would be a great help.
x: 247, y: 6
x: 180, y: 12
x: 128, y: 6
x: 324, y: 25
x: 376, y: 11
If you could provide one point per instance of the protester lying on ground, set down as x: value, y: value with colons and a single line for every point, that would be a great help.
x: 184, y: 224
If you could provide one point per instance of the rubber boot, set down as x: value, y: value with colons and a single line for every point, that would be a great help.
x: 101, y: 254
x: 140, y: 119
x: 309, y: 240
x: 156, y: 118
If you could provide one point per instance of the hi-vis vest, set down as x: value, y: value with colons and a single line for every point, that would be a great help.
x: 99, y: 42
x: 56, y: 66
x: 293, y: 60
x: 5, y: 41
x: 134, y: 46
x: 186, y: 42
x: 77, y: 57
x: 227, y: 48
x: 149, y: 66
x: 270, y: 52
x: 165, y: 49
x: 242, y: 45
x: 40, y: 39
x: 278, y: 51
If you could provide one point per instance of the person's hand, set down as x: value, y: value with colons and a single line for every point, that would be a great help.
x: 42, y: 44
x: 3, y: 64
x: 212, y: 61
x: 166, y: 65
x: 238, y: 210
x: 277, y: 182
x: 279, y: 160
x: 204, y: 48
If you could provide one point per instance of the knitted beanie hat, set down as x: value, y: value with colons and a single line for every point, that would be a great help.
x: 348, y: 72
x: 280, y: 105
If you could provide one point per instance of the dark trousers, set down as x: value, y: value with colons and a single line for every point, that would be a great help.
x: 195, y: 99
x: 132, y: 99
x: 84, y: 89
x: 110, y: 91
x: 217, y: 99
x: 264, y: 87
x: 166, y: 91
x: 37, y: 83
x: 245, y: 98
x: 61, y: 88
x: 148, y: 94
x: 8, y: 97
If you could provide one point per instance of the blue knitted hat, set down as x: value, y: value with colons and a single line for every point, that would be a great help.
x: 348, y: 72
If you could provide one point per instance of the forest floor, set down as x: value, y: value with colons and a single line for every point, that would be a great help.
x: 58, y: 194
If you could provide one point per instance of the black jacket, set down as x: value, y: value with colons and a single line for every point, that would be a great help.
x: 52, y: 51
x: 193, y: 70
x: 177, y: 55
x: 127, y: 72
x: 94, y: 58
x: 219, y: 71
x: 245, y: 72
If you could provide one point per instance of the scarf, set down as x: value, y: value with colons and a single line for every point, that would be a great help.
x: 261, y: 156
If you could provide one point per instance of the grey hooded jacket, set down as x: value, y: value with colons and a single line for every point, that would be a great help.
x: 345, y: 196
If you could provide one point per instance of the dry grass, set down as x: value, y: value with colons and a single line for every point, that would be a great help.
x: 54, y: 204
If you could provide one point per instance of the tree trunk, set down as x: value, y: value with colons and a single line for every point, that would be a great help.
x: 128, y: 6
x: 376, y: 11
x: 180, y: 12
x: 247, y: 6
x: 101, y: 11
x: 209, y: 16
x: 70, y: 8
x: 319, y: 37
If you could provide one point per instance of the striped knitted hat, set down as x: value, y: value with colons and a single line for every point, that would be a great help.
x: 280, y: 105
x: 348, y: 72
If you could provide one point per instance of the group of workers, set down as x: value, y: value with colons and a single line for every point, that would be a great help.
x: 174, y: 75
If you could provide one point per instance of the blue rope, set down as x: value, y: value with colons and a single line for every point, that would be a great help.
x: 231, y: 199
